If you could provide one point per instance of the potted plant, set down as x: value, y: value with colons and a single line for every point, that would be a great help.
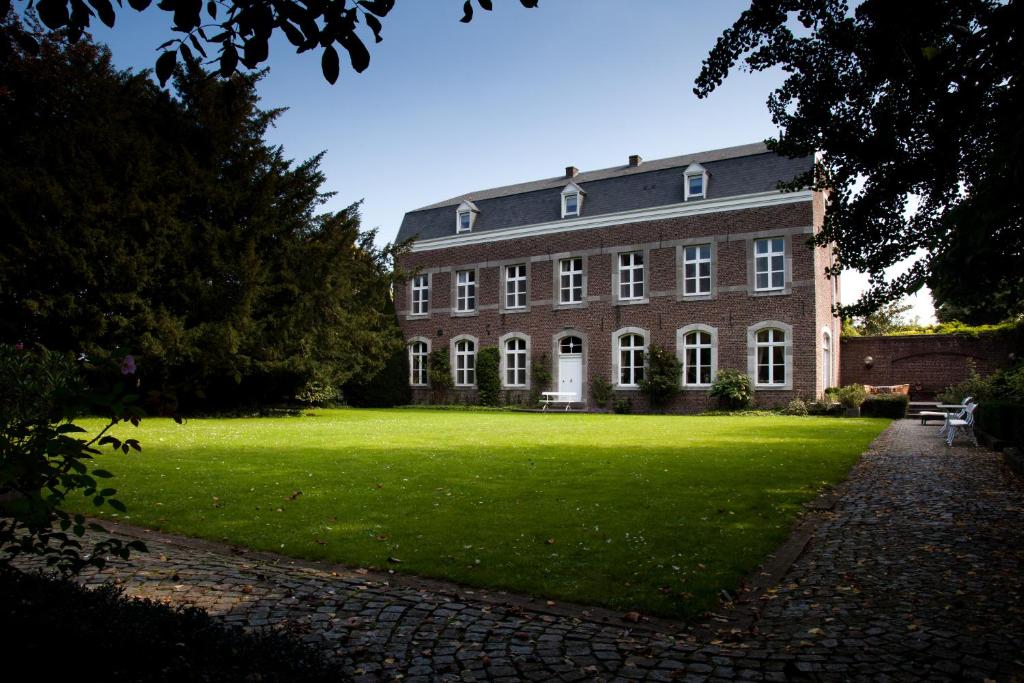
x: 851, y: 397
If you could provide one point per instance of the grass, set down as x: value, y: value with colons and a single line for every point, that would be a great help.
x: 655, y: 513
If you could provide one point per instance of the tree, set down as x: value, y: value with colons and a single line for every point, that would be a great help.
x: 661, y: 381
x: 890, y: 317
x: 916, y: 107
x: 167, y: 225
x: 240, y: 30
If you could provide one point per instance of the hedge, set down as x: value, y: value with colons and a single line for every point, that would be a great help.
x: 67, y: 632
x: 885, y: 405
x: 1003, y: 419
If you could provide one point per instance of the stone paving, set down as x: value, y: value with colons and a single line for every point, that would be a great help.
x: 916, y: 573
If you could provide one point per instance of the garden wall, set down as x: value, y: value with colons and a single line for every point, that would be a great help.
x: 927, y: 362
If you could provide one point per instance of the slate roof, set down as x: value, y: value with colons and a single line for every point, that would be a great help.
x: 733, y: 171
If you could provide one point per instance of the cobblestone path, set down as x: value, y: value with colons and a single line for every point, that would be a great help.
x: 917, y: 572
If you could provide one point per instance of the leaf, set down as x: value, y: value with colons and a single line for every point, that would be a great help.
x: 293, y: 34
x: 199, y: 48
x: 468, y: 10
x: 102, y: 474
x: 108, y: 492
x: 117, y: 505
x: 53, y: 13
x: 105, y: 11
x: 378, y: 7
x: 165, y: 64
x: 486, y: 4
x: 329, y: 64
x: 529, y: 4
x: 93, y: 526
x: 139, y: 5
x: 357, y: 52
x: 374, y: 24
x: 211, y: 9
x: 228, y: 64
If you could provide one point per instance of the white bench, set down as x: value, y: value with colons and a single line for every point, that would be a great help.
x: 557, y: 397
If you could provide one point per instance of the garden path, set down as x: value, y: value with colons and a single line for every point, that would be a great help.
x: 914, y: 569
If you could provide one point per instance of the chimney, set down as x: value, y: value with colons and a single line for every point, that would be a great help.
x: 635, y: 160
x: 571, y: 171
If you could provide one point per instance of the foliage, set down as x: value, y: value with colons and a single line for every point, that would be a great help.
x: 748, y: 412
x: 488, y: 375
x: 1006, y: 383
x: 661, y: 378
x: 732, y: 388
x: 389, y: 387
x: 886, y: 405
x: 915, y: 99
x: 439, y: 374
x: 851, y: 395
x: 601, y: 391
x: 1013, y: 328
x: 171, y: 227
x: 1003, y: 419
x: 796, y: 407
x: 317, y: 394
x: 235, y: 31
x: 888, y: 318
x: 143, y: 639
x: 540, y: 375
x: 623, y: 405
x: 43, y: 460
x: 849, y: 329
x: 825, y: 407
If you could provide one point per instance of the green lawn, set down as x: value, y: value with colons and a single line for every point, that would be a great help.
x: 656, y: 513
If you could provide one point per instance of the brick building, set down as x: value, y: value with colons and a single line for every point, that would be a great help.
x: 700, y: 254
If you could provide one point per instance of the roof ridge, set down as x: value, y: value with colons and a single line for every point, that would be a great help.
x: 749, y: 149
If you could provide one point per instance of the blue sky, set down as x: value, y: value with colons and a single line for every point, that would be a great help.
x: 446, y: 108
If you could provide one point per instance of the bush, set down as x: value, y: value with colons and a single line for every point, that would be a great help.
x: 1003, y: 419
x: 488, y: 376
x: 886, y: 405
x: 540, y: 378
x: 601, y: 391
x: 389, y: 387
x: 851, y: 396
x: 796, y: 407
x: 439, y: 373
x: 623, y: 406
x: 661, y: 379
x: 733, y: 389
x: 1002, y: 384
x: 142, y: 640
x: 824, y: 408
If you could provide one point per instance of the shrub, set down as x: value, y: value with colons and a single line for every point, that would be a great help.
x: 601, y: 391
x: 623, y: 406
x: 733, y: 389
x: 1003, y: 419
x: 886, y: 405
x: 389, y: 387
x: 488, y: 376
x: 1007, y: 383
x: 796, y: 407
x: 851, y: 396
x: 439, y: 373
x: 824, y: 408
x: 540, y: 377
x: 317, y: 393
x: 661, y: 379
x: 143, y: 640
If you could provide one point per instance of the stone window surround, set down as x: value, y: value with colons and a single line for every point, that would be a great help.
x: 645, y: 250
x: 616, y: 359
x: 556, y: 279
x: 503, y: 367
x: 752, y: 331
x: 787, y: 287
x: 681, y: 294
x: 454, y: 366
x: 502, y: 273
x: 455, y: 313
x: 430, y: 288
x: 409, y: 343
x: 681, y: 353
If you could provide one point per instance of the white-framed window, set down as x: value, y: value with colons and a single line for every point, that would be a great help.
x: 769, y: 264
x: 631, y: 276
x: 771, y: 357
x: 697, y: 352
x: 572, y: 200
x: 464, y: 222
x: 515, y: 286
x: 465, y: 216
x: 697, y: 270
x: 465, y: 291
x: 421, y: 294
x: 419, y: 352
x: 695, y: 182
x: 629, y: 346
x: 515, y: 362
x: 465, y: 363
x: 570, y: 285
x: 570, y: 345
x: 826, y: 360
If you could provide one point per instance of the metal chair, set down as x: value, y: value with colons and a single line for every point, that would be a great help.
x: 963, y: 423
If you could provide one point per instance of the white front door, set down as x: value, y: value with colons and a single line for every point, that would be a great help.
x: 570, y: 375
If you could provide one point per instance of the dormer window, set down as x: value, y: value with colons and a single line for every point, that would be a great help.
x: 572, y: 201
x: 695, y: 182
x: 465, y: 216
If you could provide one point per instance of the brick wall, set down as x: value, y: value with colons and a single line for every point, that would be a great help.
x: 731, y: 309
x: 928, y: 363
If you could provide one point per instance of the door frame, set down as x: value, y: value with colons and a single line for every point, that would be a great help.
x: 555, y: 355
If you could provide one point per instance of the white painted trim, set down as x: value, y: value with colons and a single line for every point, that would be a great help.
x: 692, y: 170
x: 750, y: 201
x: 504, y: 360
x: 572, y: 189
x: 465, y: 207
x: 454, y: 363
x: 616, y: 336
x: 787, y: 354
x: 426, y: 365
x: 681, y: 353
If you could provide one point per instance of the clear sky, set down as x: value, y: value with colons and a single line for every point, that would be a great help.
x: 516, y: 95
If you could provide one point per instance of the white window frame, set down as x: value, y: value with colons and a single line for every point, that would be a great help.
x: 469, y: 366
x: 424, y: 369
x: 765, y: 259
x: 572, y: 274
x: 522, y: 354
x: 695, y: 171
x: 420, y: 295
x: 682, y: 347
x: 518, y: 285
x: 827, y: 349
x: 753, y: 347
x: 617, y: 349
x: 469, y: 210
x: 572, y: 190
x: 465, y: 292
x: 696, y: 263
x: 631, y: 268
